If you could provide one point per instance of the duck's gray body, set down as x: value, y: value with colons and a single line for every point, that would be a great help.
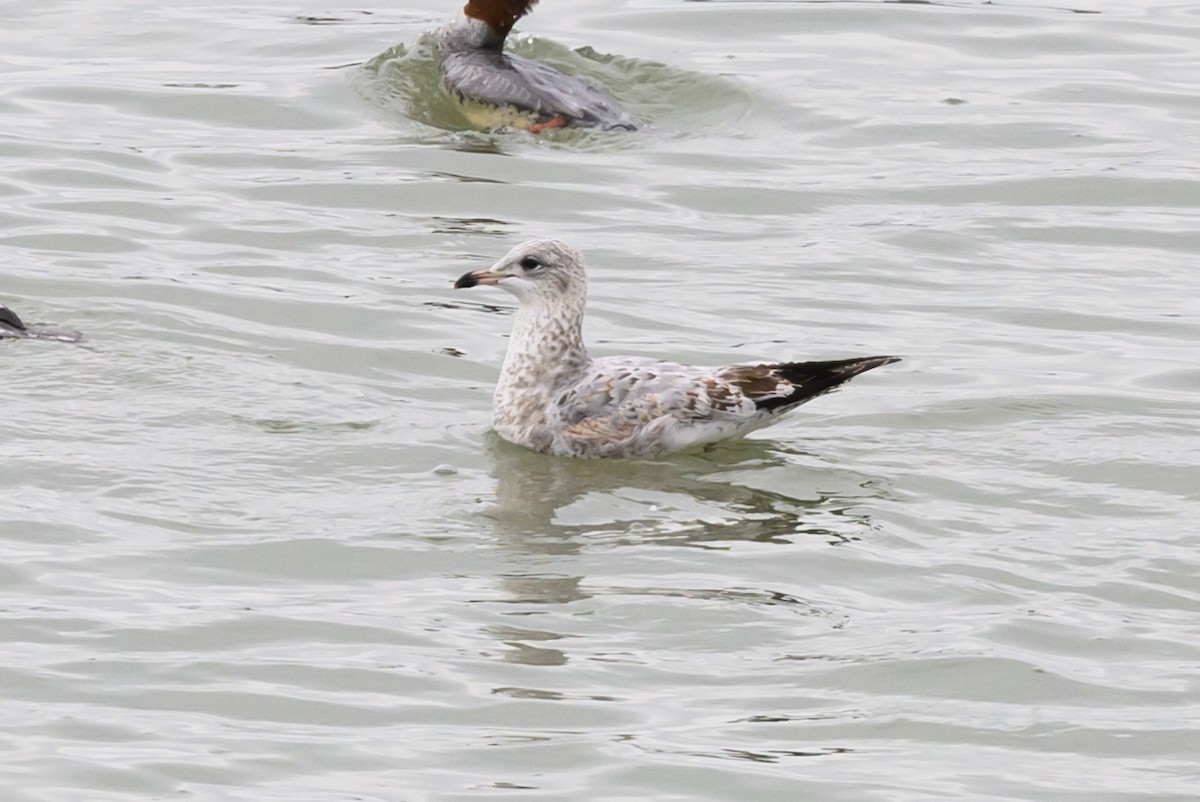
x: 518, y: 91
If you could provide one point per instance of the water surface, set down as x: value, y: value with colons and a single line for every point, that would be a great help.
x: 258, y: 544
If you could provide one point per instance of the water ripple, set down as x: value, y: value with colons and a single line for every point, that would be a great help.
x: 258, y: 544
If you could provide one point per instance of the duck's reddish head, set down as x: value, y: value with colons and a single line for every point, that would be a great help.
x: 499, y: 15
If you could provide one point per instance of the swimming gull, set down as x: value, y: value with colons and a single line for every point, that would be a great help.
x: 553, y: 397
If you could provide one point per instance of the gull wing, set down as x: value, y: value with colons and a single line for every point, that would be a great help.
x: 789, y: 384
x: 635, y: 407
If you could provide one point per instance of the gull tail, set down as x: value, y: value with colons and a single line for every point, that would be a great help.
x: 811, y: 379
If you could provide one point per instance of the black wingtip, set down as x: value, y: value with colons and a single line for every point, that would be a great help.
x: 872, y: 362
x: 812, y: 379
x: 465, y: 281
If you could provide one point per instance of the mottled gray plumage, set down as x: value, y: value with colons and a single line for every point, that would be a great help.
x: 553, y: 397
x: 475, y: 69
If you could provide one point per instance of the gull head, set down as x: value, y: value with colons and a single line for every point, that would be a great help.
x: 543, y: 270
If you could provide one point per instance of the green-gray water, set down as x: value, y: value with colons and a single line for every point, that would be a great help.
x: 257, y: 544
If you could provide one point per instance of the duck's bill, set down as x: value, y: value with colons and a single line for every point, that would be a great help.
x: 477, y: 278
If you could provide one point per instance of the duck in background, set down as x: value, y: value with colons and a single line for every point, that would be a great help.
x: 503, y: 89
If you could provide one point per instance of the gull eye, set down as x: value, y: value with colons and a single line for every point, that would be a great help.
x: 529, y: 263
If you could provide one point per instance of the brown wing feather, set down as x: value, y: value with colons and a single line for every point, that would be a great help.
x: 603, y: 429
x: 791, y: 383
x: 719, y: 395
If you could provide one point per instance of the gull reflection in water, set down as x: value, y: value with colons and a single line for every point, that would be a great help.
x: 554, y: 516
x: 747, y: 490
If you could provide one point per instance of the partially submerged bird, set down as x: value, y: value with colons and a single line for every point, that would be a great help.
x: 498, y: 88
x: 13, y: 327
x: 553, y: 397
x: 10, y: 324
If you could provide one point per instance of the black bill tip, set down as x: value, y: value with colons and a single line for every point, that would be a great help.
x: 466, y: 280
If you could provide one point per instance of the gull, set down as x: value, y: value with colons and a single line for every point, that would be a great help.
x: 554, y: 398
